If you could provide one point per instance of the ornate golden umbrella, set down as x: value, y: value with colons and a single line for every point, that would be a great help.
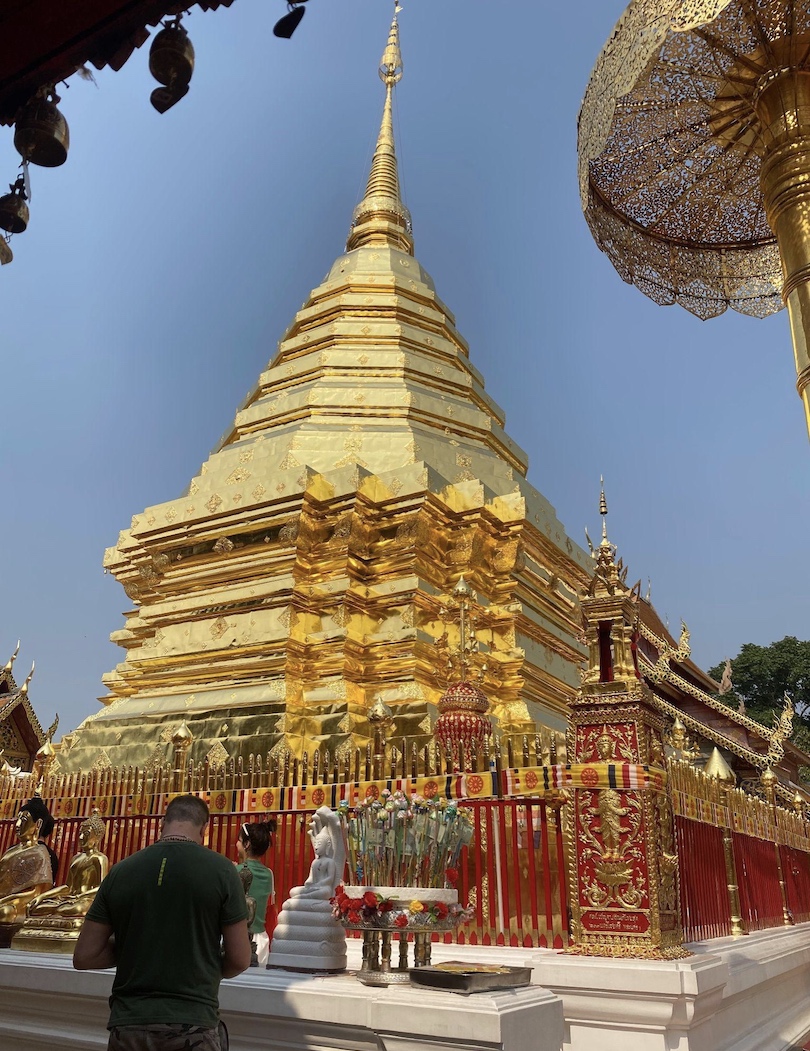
x: 694, y: 157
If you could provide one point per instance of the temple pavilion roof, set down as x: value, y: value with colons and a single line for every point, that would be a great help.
x: 21, y: 734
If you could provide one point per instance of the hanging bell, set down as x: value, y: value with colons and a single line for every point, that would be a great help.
x: 41, y: 133
x: 171, y: 63
x: 287, y: 24
x: 13, y: 209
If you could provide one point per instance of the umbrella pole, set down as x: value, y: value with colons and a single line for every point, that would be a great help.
x: 782, y: 104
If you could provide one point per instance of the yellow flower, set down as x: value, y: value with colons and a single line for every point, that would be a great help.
x: 416, y: 906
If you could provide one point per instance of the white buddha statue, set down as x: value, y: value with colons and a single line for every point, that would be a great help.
x: 307, y: 936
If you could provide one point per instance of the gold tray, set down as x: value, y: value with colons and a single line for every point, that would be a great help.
x: 456, y: 976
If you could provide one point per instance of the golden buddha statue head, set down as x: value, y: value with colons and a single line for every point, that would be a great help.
x: 91, y: 831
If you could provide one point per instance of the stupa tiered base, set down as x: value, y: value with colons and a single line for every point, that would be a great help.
x: 396, y: 925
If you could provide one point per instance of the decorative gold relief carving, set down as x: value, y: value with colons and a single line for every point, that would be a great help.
x: 218, y: 628
x: 224, y: 546
x: 102, y: 761
x: 214, y: 503
x: 217, y: 755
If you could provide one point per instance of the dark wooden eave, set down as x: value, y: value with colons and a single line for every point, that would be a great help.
x: 46, y: 41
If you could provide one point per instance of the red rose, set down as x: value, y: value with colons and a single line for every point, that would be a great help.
x: 356, y: 903
x: 370, y: 899
x: 354, y: 917
x: 401, y: 920
x: 385, y: 906
x: 441, y: 910
x: 451, y: 875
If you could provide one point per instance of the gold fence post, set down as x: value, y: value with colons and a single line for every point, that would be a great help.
x: 181, y: 742
x: 768, y: 781
x: 719, y: 769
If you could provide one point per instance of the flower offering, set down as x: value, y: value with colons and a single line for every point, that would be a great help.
x: 398, y: 840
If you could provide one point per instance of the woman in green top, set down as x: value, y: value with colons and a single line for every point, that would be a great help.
x: 253, y: 843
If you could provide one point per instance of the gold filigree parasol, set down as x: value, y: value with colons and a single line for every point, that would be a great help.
x: 694, y: 157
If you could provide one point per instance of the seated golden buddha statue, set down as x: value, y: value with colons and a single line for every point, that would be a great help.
x: 56, y: 916
x: 25, y: 869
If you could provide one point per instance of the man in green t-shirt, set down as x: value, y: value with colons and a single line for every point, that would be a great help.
x: 158, y: 918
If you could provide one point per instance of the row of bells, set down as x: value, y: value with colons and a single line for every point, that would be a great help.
x: 41, y: 134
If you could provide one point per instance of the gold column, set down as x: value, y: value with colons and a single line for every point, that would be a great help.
x: 719, y: 770
x: 768, y: 780
x: 181, y: 742
x: 782, y: 104
x: 737, y: 923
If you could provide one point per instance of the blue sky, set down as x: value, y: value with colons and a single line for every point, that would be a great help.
x: 165, y: 259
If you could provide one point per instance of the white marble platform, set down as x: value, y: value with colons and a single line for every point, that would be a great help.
x: 45, y: 1005
x: 747, y: 994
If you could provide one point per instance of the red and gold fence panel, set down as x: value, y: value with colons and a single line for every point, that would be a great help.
x: 796, y: 866
x: 758, y: 882
x: 513, y: 872
x: 704, y: 891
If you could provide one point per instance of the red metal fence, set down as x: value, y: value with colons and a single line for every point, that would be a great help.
x: 758, y: 881
x: 513, y: 873
x: 704, y: 892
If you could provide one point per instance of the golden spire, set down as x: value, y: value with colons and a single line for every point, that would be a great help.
x: 717, y: 767
x: 603, y: 508
x: 381, y: 217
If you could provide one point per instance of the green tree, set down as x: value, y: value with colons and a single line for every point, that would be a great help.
x: 762, y: 674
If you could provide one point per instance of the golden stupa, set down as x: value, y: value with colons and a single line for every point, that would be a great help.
x: 301, y: 575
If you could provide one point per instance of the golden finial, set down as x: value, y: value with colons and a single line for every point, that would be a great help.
x: 46, y: 751
x: 12, y: 658
x: 182, y: 736
x: 381, y: 218
x: 391, y: 62
x: 462, y: 589
x: 379, y: 714
x: 603, y: 508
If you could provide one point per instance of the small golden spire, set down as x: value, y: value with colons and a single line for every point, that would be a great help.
x: 717, y: 767
x: 603, y: 508
x: 381, y: 217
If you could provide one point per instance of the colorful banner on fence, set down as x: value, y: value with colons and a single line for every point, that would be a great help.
x: 309, y: 797
x: 527, y: 781
x: 535, y: 780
